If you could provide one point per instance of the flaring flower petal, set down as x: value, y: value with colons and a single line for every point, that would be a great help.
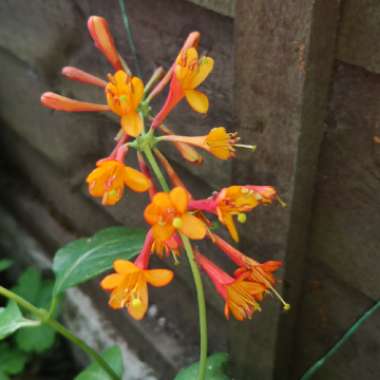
x: 132, y: 124
x: 111, y: 281
x: 137, y: 91
x: 206, y: 64
x: 158, y: 277
x: 162, y: 233
x: 124, y: 267
x: 180, y: 199
x: 193, y: 227
x: 152, y: 214
x: 230, y: 224
x: 137, y: 310
x: 136, y: 180
x: 197, y: 100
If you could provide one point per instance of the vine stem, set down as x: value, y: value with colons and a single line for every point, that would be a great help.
x: 318, y: 364
x: 201, y: 307
x: 195, y: 272
x: 44, y: 317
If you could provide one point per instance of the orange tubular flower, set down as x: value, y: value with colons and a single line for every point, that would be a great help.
x: 235, y: 201
x: 109, y: 179
x: 185, y: 150
x: 61, y: 103
x: 124, y: 94
x: 100, y: 33
x: 241, y: 296
x: 168, y: 213
x: 250, y: 269
x: 189, y: 72
x: 217, y: 142
x: 129, y: 285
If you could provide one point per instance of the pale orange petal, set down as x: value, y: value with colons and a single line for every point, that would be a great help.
x: 132, y: 124
x: 180, y: 199
x: 197, y: 100
x: 163, y: 233
x: 158, y: 277
x: 136, y: 180
x: 162, y: 200
x: 138, y: 91
x: 111, y: 281
x: 137, y: 310
x: 230, y: 224
x: 152, y: 213
x: 193, y: 227
x: 206, y: 64
x: 124, y: 266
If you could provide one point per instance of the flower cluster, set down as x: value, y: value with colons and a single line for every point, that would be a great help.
x: 173, y: 215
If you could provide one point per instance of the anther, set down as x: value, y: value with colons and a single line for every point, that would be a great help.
x: 177, y: 222
x: 242, y: 218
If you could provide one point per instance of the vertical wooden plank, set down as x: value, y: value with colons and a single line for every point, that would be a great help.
x: 284, y: 58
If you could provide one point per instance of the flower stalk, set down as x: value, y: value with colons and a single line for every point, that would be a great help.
x: 44, y: 317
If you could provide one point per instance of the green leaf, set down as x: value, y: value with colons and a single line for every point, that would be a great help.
x: 84, y: 259
x: 11, y: 320
x: 5, y: 264
x: 12, y: 361
x: 37, y: 291
x: 3, y: 376
x: 216, y: 368
x: 114, y: 359
x: 29, y: 285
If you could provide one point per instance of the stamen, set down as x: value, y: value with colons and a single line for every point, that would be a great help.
x: 245, y: 146
x: 281, y: 202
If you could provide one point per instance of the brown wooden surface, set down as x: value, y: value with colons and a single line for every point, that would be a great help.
x: 284, y: 56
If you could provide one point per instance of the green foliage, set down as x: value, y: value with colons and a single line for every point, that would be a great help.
x: 5, y: 264
x: 12, y: 320
x: 37, y: 291
x: 12, y: 361
x: 84, y: 259
x: 216, y: 368
x: 114, y: 359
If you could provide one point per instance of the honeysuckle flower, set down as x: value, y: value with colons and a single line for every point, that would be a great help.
x: 217, y: 142
x: 185, y: 150
x: 168, y: 213
x: 110, y: 178
x: 189, y: 72
x: 100, y: 33
x: 123, y: 92
x: 124, y: 95
x: 248, y: 268
x: 241, y: 296
x: 79, y: 75
x: 129, y: 284
x: 62, y: 103
x: 192, y: 40
x: 234, y: 201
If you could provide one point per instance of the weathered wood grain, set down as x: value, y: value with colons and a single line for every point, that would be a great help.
x: 284, y: 56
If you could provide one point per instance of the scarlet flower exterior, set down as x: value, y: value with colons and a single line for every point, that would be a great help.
x: 240, y: 295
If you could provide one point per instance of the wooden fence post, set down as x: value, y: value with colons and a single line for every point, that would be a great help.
x: 284, y: 58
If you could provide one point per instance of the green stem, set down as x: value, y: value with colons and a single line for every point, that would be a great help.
x: 318, y: 364
x: 156, y: 169
x: 201, y: 307
x: 44, y: 317
x: 129, y: 35
x: 195, y: 272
